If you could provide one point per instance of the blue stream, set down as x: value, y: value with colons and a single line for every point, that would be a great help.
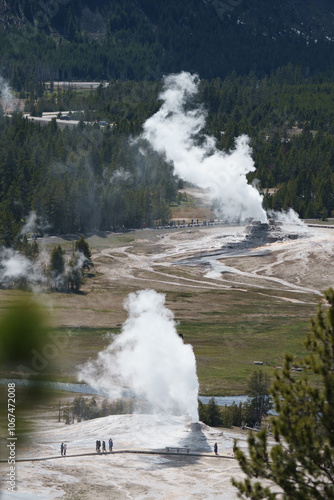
x: 86, y: 389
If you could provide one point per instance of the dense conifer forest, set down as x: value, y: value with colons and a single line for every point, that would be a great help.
x: 278, y: 90
x: 144, y: 39
x: 78, y: 179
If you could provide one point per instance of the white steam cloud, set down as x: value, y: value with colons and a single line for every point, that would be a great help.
x: 149, y: 359
x: 175, y: 131
x: 6, y: 96
x: 35, y: 224
x: 120, y: 175
x: 14, y: 266
x: 288, y: 217
x: 30, y: 224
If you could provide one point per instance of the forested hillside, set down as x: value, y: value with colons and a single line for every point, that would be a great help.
x: 86, y: 178
x: 273, y: 84
x: 77, y: 180
x: 289, y: 118
x: 144, y: 39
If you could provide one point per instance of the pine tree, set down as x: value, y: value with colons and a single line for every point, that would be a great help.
x: 214, y: 416
x: 82, y: 246
x: 301, y: 462
x: 74, y: 277
x: 57, y: 267
x: 259, y: 402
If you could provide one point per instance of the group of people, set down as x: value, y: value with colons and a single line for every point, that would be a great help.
x: 103, y: 444
x: 99, y: 444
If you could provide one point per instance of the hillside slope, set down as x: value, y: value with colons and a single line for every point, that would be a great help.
x: 310, y: 17
x: 144, y: 39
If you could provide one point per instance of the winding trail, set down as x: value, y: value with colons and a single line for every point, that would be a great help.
x: 120, y: 452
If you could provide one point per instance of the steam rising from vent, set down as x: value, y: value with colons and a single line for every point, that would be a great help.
x: 148, y: 359
x: 35, y: 224
x: 175, y: 131
x: 288, y: 217
x: 32, y: 271
x: 120, y: 174
x: 14, y: 267
x: 6, y: 97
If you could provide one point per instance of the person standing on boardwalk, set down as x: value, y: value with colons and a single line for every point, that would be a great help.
x: 65, y: 448
x: 62, y: 449
x: 110, y: 444
x: 215, y: 448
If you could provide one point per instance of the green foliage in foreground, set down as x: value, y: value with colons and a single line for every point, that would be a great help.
x: 23, y: 338
x: 301, y: 462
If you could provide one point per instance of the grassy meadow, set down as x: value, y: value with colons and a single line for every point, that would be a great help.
x: 228, y: 329
x: 232, y: 330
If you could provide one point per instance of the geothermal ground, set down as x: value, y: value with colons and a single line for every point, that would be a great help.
x: 139, y: 466
x: 196, y: 260
x: 235, y: 303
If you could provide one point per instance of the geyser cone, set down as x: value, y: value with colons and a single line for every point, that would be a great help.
x: 148, y: 358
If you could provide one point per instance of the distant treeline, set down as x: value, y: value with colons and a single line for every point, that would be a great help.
x: 83, y: 408
x: 257, y: 406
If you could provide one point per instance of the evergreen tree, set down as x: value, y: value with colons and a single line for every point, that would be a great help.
x: 259, y: 402
x: 301, y: 462
x: 57, y: 267
x: 214, y: 417
x: 82, y: 246
x: 74, y: 277
x: 202, y: 413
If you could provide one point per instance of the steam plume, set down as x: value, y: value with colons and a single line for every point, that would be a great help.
x: 15, y: 266
x: 149, y: 359
x: 6, y: 97
x: 288, y: 217
x: 175, y: 131
x: 35, y: 224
